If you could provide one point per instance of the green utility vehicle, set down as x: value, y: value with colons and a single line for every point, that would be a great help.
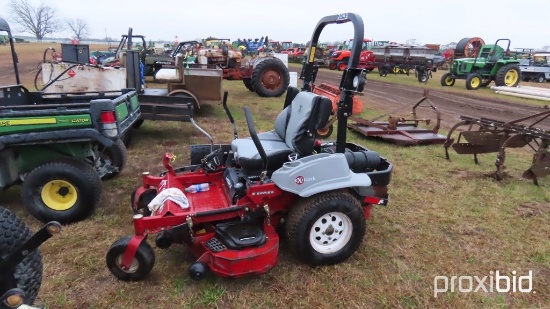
x: 59, y: 146
x: 493, y: 63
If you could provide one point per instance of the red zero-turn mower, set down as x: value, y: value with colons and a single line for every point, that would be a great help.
x: 322, y: 192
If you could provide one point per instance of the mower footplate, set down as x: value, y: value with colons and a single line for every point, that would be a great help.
x: 238, y: 235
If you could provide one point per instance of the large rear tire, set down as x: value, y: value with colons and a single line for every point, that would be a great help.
x: 508, y: 75
x: 27, y: 275
x: 270, y: 78
x: 248, y: 84
x: 65, y: 190
x: 326, y: 228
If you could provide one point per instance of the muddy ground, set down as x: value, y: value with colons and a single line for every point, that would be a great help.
x: 397, y: 99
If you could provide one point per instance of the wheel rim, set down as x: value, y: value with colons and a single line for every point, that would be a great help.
x: 342, y: 66
x: 59, y: 194
x: 475, y: 82
x: 133, y: 266
x: 448, y: 80
x: 511, y: 77
x: 272, y: 80
x: 330, y: 233
x: 323, y: 132
x: 396, y: 70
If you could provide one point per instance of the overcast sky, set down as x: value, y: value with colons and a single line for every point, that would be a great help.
x: 428, y: 21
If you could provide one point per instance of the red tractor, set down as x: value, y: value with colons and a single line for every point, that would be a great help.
x: 239, y: 195
x: 339, y: 58
x: 264, y: 74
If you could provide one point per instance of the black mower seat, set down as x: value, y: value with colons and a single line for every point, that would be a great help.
x: 294, y: 132
x: 278, y: 134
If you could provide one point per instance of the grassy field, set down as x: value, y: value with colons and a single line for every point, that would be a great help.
x: 445, y: 218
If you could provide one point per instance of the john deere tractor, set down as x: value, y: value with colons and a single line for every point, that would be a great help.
x: 493, y: 63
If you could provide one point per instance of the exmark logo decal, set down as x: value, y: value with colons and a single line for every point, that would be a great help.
x: 300, y: 180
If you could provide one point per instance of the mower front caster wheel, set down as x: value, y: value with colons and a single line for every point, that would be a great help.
x: 141, y: 265
x: 198, y: 271
x: 326, y: 228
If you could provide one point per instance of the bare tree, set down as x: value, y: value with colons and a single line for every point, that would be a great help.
x: 40, y: 20
x: 78, y: 27
x: 545, y: 48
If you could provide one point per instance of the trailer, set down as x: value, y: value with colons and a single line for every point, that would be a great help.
x: 185, y: 84
x: 401, y: 58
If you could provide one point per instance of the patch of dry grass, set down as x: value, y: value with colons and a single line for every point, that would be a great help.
x: 444, y: 218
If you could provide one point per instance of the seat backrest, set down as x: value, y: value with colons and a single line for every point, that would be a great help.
x: 282, y: 119
x: 308, y: 112
x: 291, y: 93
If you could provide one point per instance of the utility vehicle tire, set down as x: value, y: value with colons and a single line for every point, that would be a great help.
x: 541, y: 79
x: 325, y: 132
x: 326, y: 228
x: 332, y: 66
x: 112, y: 160
x: 383, y: 72
x: 141, y: 266
x: 127, y: 137
x: 138, y: 123
x: 447, y: 80
x: 270, y: 78
x: 248, y: 84
x: 473, y: 81
x: 28, y: 274
x: 508, y: 75
x: 64, y: 190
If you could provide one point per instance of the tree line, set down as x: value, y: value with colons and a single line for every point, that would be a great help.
x: 43, y: 19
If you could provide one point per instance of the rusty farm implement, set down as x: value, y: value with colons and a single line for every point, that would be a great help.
x: 485, y: 135
x: 403, y: 131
